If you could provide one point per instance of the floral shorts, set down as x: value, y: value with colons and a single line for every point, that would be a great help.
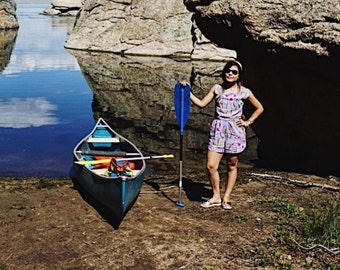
x: 227, y: 137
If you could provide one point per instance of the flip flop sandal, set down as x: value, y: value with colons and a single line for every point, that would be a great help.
x: 208, y: 204
x: 226, y: 205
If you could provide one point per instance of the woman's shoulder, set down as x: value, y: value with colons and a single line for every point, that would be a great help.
x: 218, y: 89
x: 217, y: 86
x: 244, y: 88
x: 245, y: 91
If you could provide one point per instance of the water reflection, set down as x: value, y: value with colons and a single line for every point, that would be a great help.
x: 135, y: 95
x: 7, y: 42
x: 28, y: 112
x: 45, y: 103
x: 38, y: 47
x: 299, y: 129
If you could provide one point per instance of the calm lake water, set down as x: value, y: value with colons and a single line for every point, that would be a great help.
x: 50, y: 97
x: 45, y: 103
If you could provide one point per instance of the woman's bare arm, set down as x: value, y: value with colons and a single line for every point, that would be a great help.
x: 204, y: 101
x: 258, y: 108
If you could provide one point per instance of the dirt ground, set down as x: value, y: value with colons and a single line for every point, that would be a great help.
x: 47, y: 224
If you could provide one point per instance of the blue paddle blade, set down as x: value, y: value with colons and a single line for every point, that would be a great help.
x: 182, y: 104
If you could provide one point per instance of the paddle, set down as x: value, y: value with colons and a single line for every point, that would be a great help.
x: 108, y: 160
x: 182, y: 110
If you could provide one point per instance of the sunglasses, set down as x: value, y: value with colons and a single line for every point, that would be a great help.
x: 233, y: 71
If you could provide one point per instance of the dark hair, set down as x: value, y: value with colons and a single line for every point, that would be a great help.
x: 228, y: 66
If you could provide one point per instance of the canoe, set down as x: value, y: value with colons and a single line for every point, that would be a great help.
x: 109, y: 168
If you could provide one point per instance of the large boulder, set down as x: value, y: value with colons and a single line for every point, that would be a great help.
x: 7, y: 42
x: 297, y: 24
x: 63, y: 8
x: 8, y: 17
x: 8, y: 31
x: 149, y: 28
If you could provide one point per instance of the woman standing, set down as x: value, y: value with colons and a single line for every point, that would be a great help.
x: 227, y: 132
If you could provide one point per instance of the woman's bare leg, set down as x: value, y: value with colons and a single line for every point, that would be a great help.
x: 213, y: 161
x: 232, y: 161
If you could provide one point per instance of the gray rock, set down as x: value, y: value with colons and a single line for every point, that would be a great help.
x: 63, y: 8
x: 297, y: 24
x: 8, y: 17
x: 168, y: 29
x: 148, y: 28
x: 7, y: 42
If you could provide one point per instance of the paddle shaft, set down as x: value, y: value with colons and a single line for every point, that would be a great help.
x: 149, y: 157
x: 179, y: 203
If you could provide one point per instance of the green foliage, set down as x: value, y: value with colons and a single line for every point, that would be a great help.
x: 322, y: 226
x: 285, y: 207
x: 46, y: 183
x: 319, y: 225
x: 3, y: 266
x: 276, y: 258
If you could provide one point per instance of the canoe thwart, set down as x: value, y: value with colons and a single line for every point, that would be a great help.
x: 106, y: 153
x: 108, y: 160
x: 103, y: 140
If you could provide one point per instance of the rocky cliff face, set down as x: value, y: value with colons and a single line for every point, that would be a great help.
x: 8, y: 30
x: 169, y: 29
x: 8, y: 17
x: 298, y: 24
x: 7, y: 42
x: 63, y: 8
x: 137, y: 27
x: 290, y: 51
